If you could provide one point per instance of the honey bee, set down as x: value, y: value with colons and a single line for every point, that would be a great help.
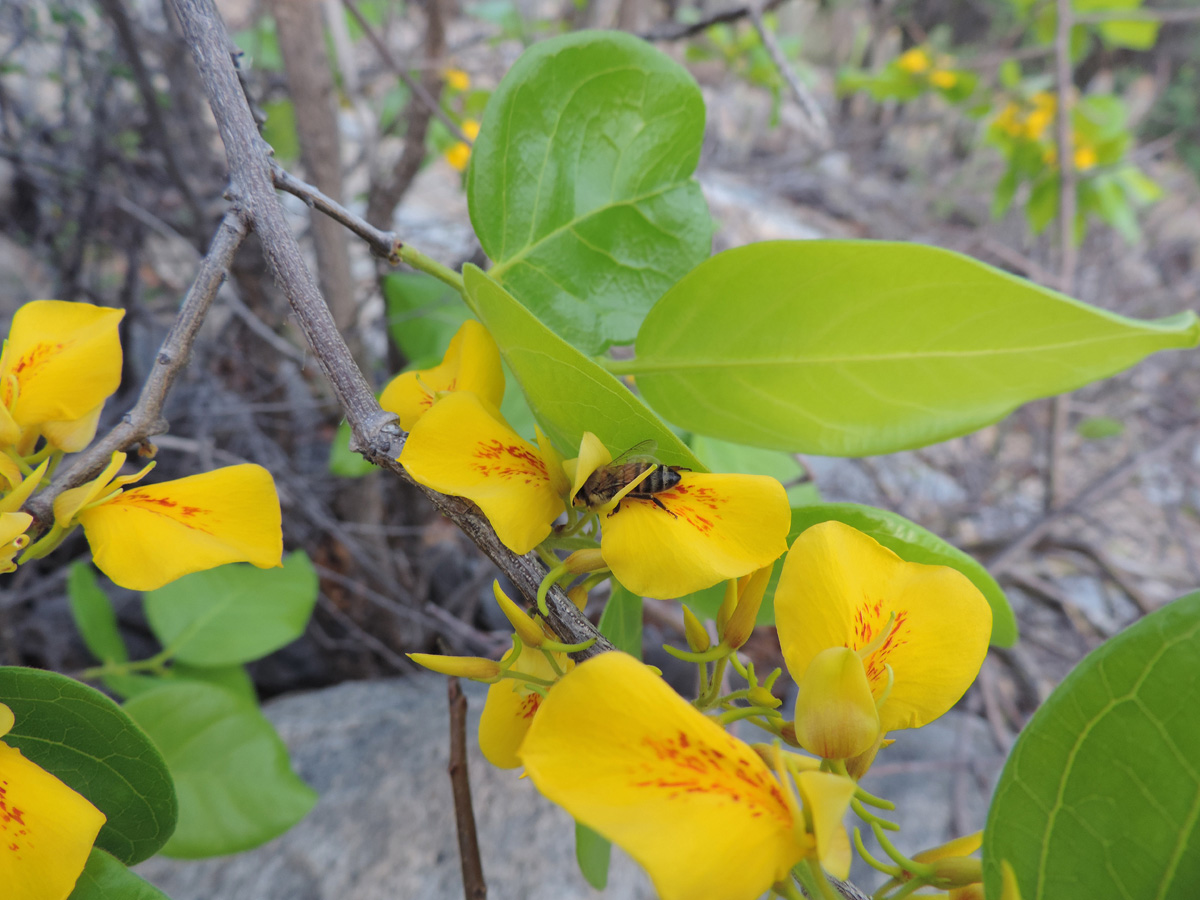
x: 608, y: 481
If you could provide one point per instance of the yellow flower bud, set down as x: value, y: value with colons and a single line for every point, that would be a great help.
x: 583, y: 561
x: 760, y: 696
x: 836, y: 716
x: 750, y: 595
x: 914, y: 61
x: 526, y: 628
x: 579, y: 596
x: 474, y: 667
x: 943, y: 78
x: 958, y: 871
x: 459, y: 155
x: 697, y: 635
x: 456, y: 79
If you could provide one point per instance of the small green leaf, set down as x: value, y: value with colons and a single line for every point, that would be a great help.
x: 568, y: 392
x: 621, y: 621
x: 1100, y: 796
x: 234, y: 679
x: 236, y: 786
x: 849, y: 348
x: 92, y: 745
x: 93, y: 614
x: 911, y: 542
x: 1129, y: 33
x: 1099, y: 427
x: 235, y: 613
x: 106, y: 878
x: 343, y: 461
x: 280, y: 130
x: 593, y: 853
x: 580, y: 186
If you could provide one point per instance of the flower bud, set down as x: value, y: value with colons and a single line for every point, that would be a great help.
x: 958, y: 871
x: 968, y: 892
x: 760, y: 696
x: 527, y: 629
x: 579, y: 596
x: 697, y: 635
x: 583, y: 561
x: 750, y: 595
x: 474, y: 667
x: 836, y: 716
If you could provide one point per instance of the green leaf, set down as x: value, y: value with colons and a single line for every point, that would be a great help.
x: 92, y: 746
x: 106, y: 878
x: 911, y: 542
x: 580, y: 186
x: 236, y: 786
x: 568, y: 392
x: 1099, y: 427
x: 621, y: 621
x: 1100, y: 796
x: 593, y: 853
x: 93, y: 614
x: 422, y: 315
x: 1129, y: 33
x: 280, y: 130
x: 1042, y: 207
x: 848, y: 348
x: 235, y: 613
x: 234, y: 679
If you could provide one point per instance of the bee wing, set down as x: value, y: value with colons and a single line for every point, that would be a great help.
x: 643, y: 450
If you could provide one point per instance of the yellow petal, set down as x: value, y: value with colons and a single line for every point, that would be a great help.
x: 463, y: 448
x: 459, y: 155
x: 713, y: 527
x: 960, y: 846
x: 65, y: 357
x: 10, y: 431
x: 835, y: 712
x: 510, y: 708
x: 477, y: 668
x: 839, y: 587
x: 148, y: 536
x: 73, y: 435
x: 16, y: 498
x: 46, y: 831
x: 751, y: 589
x: 628, y: 757
x: 529, y: 631
x: 826, y: 799
x: 471, y: 363
x: 68, y: 504
x: 13, y: 539
x: 592, y: 455
x: 6, y: 720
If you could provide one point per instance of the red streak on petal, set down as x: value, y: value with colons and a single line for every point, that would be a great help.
x: 509, y: 462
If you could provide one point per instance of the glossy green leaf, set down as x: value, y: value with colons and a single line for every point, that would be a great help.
x: 106, y: 878
x: 621, y: 621
x: 233, y: 614
x: 1100, y: 796
x: 593, y: 853
x: 236, y: 786
x: 422, y: 315
x: 234, y: 679
x: 92, y: 746
x: 580, y: 186
x: 911, y: 542
x: 568, y: 392
x: 849, y: 348
x: 93, y: 614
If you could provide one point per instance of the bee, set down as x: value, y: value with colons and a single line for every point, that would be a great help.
x: 608, y: 481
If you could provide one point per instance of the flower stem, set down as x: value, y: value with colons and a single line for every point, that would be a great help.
x: 431, y: 266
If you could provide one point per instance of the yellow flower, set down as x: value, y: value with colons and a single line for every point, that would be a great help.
x: 1085, y: 157
x: 921, y: 632
x: 459, y: 153
x: 705, y: 529
x: 12, y: 537
x: 456, y: 79
x: 914, y: 61
x: 471, y: 363
x: 511, y: 706
x: 1009, y: 120
x: 697, y: 808
x: 462, y: 446
x: 148, y: 536
x: 46, y: 829
x: 943, y: 78
x: 60, y: 363
x: 1039, y: 118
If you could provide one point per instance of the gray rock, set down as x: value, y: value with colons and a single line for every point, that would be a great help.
x: 384, y: 827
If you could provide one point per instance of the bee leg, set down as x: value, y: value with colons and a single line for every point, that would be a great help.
x: 663, y: 507
x: 616, y: 509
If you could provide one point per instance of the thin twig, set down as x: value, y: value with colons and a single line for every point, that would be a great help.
x: 677, y: 31
x: 474, y: 887
x: 411, y: 83
x: 815, y: 124
x: 384, y: 244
